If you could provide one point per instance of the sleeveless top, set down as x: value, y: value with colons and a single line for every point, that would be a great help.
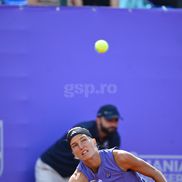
x: 108, y: 170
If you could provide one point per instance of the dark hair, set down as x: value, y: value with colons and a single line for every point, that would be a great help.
x: 75, y: 131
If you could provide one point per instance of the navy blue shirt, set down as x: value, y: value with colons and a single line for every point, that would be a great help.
x: 60, y: 157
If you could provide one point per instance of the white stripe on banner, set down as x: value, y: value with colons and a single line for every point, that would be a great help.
x: 161, y: 156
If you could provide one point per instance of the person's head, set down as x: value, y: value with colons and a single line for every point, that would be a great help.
x: 81, y: 142
x: 107, y: 119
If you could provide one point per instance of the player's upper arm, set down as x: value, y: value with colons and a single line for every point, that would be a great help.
x: 78, y: 176
x: 127, y: 161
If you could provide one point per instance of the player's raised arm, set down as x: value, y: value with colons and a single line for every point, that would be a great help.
x: 127, y: 161
x: 78, y: 176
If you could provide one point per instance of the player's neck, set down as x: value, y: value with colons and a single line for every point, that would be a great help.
x: 94, y: 162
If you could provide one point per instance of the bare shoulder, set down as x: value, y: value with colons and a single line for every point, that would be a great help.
x: 123, y: 158
x: 127, y: 161
x: 78, y: 176
x: 122, y: 155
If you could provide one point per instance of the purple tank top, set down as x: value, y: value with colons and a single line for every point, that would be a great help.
x: 109, y: 171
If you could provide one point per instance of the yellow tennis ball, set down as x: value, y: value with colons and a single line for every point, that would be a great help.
x: 101, y: 46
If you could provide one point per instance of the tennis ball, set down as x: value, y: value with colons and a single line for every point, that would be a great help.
x: 101, y: 46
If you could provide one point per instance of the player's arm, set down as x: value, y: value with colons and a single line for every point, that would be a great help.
x: 127, y: 161
x: 78, y: 176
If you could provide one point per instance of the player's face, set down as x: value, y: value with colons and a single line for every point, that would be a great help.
x: 107, y: 126
x: 83, y: 147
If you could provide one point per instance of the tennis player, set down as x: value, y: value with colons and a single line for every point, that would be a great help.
x: 108, y: 165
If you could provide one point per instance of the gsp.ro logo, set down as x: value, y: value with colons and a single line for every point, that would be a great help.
x: 1, y: 147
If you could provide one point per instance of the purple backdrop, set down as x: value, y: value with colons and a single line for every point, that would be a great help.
x: 51, y: 77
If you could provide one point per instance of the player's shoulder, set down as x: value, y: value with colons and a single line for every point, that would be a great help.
x: 107, y: 153
x: 121, y: 155
x: 122, y: 158
x: 119, y: 151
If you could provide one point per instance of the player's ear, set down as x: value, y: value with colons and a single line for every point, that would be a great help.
x: 93, y: 139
